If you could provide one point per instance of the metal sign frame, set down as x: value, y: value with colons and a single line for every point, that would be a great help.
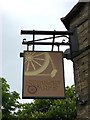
x: 53, y: 33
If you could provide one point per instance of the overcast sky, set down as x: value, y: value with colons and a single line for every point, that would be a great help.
x: 20, y: 15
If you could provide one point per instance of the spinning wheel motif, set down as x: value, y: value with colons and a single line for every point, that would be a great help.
x: 35, y: 62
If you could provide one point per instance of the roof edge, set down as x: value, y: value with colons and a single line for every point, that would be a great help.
x: 74, y: 11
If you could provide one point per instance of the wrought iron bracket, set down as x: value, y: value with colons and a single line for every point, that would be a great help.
x: 70, y: 35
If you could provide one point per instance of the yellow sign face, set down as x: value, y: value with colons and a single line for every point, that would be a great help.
x: 43, y: 75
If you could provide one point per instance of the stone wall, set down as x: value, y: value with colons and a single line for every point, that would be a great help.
x: 82, y: 61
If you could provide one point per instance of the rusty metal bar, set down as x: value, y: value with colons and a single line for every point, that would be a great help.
x: 33, y: 39
x: 43, y: 43
x: 28, y: 32
x: 53, y: 42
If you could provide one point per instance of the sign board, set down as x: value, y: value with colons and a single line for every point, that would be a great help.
x: 43, y: 75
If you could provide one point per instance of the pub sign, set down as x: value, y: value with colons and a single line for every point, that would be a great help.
x: 43, y: 75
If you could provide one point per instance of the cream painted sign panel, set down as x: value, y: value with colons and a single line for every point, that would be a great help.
x: 43, y: 75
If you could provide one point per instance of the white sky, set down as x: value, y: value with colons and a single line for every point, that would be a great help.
x: 20, y: 15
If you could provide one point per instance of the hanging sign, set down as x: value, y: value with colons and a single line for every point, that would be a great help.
x: 43, y: 75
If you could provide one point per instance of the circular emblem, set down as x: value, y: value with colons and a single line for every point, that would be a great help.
x: 32, y: 89
x: 36, y: 62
